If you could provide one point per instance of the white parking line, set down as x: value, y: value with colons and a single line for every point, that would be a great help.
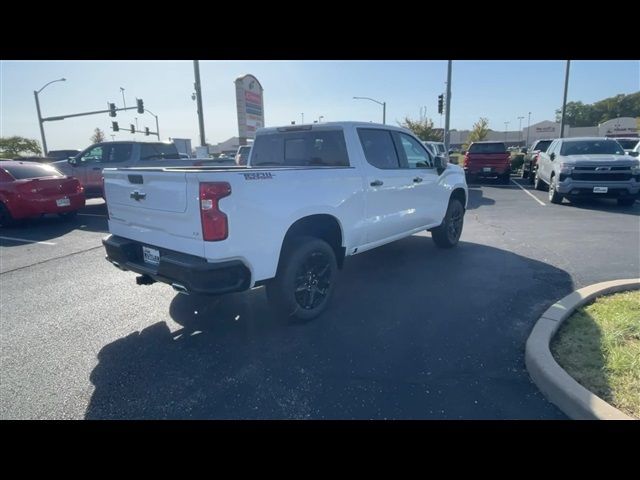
x: 15, y: 239
x: 91, y: 215
x: 528, y: 193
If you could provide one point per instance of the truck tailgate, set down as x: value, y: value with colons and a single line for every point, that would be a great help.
x: 155, y: 207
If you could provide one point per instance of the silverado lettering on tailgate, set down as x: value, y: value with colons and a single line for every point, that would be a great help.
x: 258, y: 176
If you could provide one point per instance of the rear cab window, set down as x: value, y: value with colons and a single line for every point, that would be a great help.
x: 21, y: 171
x: 158, y: 151
x: 492, y: 147
x: 298, y: 148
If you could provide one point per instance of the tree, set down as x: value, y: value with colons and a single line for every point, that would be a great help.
x: 11, y: 147
x: 479, y: 131
x: 579, y: 114
x: 98, y: 136
x: 423, y: 128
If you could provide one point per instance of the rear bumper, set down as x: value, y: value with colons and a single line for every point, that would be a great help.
x: 494, y: 170
x: 190, y: 273
x: 27, y: 207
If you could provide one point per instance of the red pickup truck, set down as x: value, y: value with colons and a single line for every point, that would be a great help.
x: 487, y: 160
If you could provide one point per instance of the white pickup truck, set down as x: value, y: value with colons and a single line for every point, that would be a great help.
x: 310, y: 196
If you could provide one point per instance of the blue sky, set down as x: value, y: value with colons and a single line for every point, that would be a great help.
x: 498, y: 90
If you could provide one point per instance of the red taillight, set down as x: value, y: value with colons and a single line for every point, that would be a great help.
x: 214, y: 222
x: 466, y: 160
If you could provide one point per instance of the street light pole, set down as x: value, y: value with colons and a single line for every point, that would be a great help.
x: 123, y: 101
x: 447, y: 117
x: 157, y: 127
x: 564, y: 101
x: 40, y: 122
x: 196, y: 73
x: 506, y: 126
x: 520, y: 127
x: 528, y: 128
x: 384, y: 107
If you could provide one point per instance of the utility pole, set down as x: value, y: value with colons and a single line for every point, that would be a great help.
x: 123, y: 101
x: 448, y: 108
x: 528, y: 128
x: 302, y: 115
x: 196, y: 72
x: 564, y: 101
x: 506, y: 126
x: 520, y: 127
x: 40, y: 119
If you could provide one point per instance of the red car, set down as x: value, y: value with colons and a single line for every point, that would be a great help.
x: 29, y: 189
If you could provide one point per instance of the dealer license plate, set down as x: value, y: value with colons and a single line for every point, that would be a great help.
x: 486, y: 169
x: 63, y: 202
x: 600, y: 189
x: 151, y: 255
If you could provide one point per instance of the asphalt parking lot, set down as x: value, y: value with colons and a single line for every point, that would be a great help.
x: 413, y: 331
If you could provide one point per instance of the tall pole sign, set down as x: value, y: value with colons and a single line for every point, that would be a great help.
x: 249, y: 100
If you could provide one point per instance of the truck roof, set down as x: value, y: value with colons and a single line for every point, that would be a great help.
x: 311, y: 126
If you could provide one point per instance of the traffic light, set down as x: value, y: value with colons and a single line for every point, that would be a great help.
x: 440, y: 103
x: 115, y: 127
x: 112, y: 109
x: 140, y: 105
x: 133, y: 128
x: 146, y: 131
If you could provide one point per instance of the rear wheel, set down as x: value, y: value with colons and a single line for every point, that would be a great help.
x: 626, y: 202
x: 305, y: 279
x: 538, y: 184
x: 448, y: 233
x: 6, y: 219
x: 554, y: 196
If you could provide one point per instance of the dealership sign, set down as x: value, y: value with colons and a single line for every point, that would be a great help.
x: 250, y: 106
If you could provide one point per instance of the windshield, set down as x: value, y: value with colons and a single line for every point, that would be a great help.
x: 497, y: 147
x: 21, y: 171
x: 591, y: 147
x: 542, y: 145
x: 628, y: 143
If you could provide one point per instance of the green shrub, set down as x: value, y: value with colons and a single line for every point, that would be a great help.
x: 516, y: 162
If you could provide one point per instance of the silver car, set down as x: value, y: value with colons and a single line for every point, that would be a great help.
x: 588, y: 167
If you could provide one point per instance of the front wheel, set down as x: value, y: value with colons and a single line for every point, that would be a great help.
x: 448, y: 233
x: 554, y: 196
x: 305, y: 279
x: 505, y: 178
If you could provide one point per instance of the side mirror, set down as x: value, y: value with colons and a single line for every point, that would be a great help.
x: 524, y: 150
x: 451, y: 152
x: 72, y: 161
x: 634, y: 154
x: 552, y: 157
x: 440, y: 164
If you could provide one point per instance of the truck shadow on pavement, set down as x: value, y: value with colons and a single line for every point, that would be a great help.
x: 603, y: 205
x: 412, y: 332
x: 477, y: 198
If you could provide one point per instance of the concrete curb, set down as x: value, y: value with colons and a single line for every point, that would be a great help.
x: 556, y: 384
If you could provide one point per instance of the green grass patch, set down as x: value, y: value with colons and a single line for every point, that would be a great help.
x: 599, y: 346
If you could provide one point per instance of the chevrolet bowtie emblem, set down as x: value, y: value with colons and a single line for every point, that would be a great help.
x: 137, y: 196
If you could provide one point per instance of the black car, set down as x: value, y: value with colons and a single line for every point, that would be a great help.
x: 529, y: 166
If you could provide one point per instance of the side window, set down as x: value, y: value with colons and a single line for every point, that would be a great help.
x: 552, y: 147
x: 378, y: 147
x: 415, y: 154
x: 119, y: 152
x: 93, y: 156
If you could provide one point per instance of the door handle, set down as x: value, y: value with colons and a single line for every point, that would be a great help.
x: 376, y: 183
x: 417, y: 179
